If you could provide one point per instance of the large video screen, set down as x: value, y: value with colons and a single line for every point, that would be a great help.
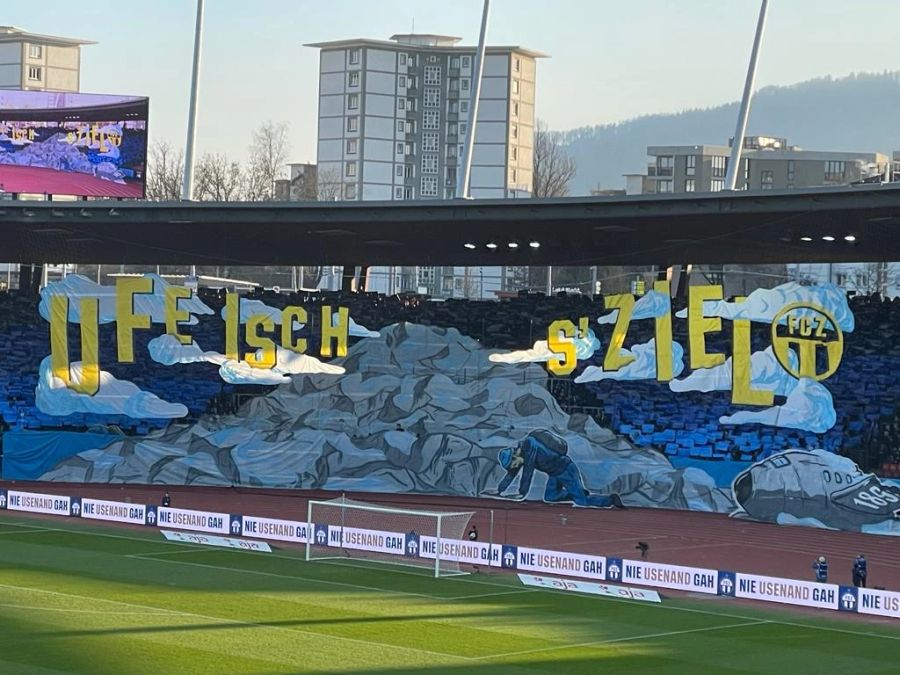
x: 87, y: 145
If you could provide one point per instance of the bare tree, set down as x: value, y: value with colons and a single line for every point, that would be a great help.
x: 328, y: 185
x: 219, y: 179
x: 165, y: 172
x: 553, y: 168
x: 268, y: 155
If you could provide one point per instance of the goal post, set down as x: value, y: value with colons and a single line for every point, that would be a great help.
x: 344, y: 528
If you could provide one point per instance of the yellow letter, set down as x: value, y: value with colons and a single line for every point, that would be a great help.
x: 742, y: 390
x: 565, y: 360
x: 89, y: 383
x: 625, y: 304
x: 126, y: 319
x: 232, y: 314
x: 175, y: 315
x: 335, y: 331
x: 664, y: 336
x: 699, y: 326
x: 267, y: 358
x: 288, y: 316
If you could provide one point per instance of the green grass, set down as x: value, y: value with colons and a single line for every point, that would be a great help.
x: 78, y: 598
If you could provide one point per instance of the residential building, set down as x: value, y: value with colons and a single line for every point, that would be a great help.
x: 393, y: 119
x: 39, y: 62
x: 768, y: 163
x: 301, y: 185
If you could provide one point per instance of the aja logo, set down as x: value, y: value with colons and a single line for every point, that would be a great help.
x: 848, y: 599
x: 508, y: 557
x: 321, y: 536
x: 727, y: 584
x: 236, y: 525
x: 613, y: 569
x: 411, y: 546
x: 150, y: 515
x: 2, y: 499
x: 75, y: 507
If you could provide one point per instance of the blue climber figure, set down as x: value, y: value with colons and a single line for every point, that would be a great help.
x: 546, y: 452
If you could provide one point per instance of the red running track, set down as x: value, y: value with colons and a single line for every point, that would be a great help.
x: 679, y: 537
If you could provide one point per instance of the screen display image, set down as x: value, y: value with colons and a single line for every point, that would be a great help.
x: 86, y: 145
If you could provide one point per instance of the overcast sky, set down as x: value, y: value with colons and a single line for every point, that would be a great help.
x: 609, y: 60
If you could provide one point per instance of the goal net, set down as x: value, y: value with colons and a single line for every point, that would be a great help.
x: 343, y: 528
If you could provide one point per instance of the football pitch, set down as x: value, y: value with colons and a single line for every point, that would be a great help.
x: 79, y: 598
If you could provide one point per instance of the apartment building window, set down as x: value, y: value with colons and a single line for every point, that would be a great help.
x: 790, y: 171
x: 431, y: 119
x: 34, y: 73
x: 432, y: 75
x: 665, y: 165
x: 767, y: 179
x: 452, y: 128
x: 464, y: 84
x: 466, y: 61
x: 353, y: 101
x: 429, y: 163
x: 453, y: 106
x: 354, y: 56
x: 463, y: 128
x: 352, y: 146
x: 410, y: 126
x: 350, y: 191
x: 664, y: 186
x: 513, y: 176
x: 454, y: 84
x: 401, y: 81
x: 402, y: 59
x: 411, y: 104
x: 410, y: 82
x: 401, y: 126
x: 719, y: 165
x: 430, y: 142
x: 834, y: 171
x: 429, y: 186
x: 454, y: 62
x: 412, y: 61
x: 408, y: 193
x: 517, y: 64
x: 451, y: 151
x: 515, y: 87
x: 514, y: 130
x: 352, y: 124
x: 515, y: 109
x: 690, y: 168
x: 463, y: 106
x: 398, y: 193
x: 717, y: 185
x: 35, y: 51
x: 398, y: 171
x: 514, y: 154
x: 354, y: 78
x: 451, y: 175
x: 400, y: 148
x: 409, y: 170
x: 689, y: 185
x: 350, y: 169
x: 409, y: 148
x: 432, y: 98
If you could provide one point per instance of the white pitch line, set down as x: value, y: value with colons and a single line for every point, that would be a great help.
x: 36, y: 608
x: 249, y: 624
x: 23, y: 531
x: 631, y: 638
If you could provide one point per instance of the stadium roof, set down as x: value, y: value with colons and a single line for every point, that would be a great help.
x: 773, y: 227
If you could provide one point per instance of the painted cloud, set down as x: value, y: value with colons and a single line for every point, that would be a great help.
x: 808, y: 407
x: 287, y: 363
x: 642, y: 368
x: 540, y: 352
x: 650, y: 306
x: 767, y: 373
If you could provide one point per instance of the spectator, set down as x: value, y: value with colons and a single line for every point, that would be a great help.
x: 473, y: 533
x: 167, y: 499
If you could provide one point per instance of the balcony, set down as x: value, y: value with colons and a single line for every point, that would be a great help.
x: 654, y: 171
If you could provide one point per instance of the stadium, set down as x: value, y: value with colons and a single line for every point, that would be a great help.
x: 223, y: 479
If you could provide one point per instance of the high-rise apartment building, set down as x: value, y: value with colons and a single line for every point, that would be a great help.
x: 393, y: 118
x: 39, y: 62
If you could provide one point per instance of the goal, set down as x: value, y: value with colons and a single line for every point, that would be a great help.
x: 343, y: 528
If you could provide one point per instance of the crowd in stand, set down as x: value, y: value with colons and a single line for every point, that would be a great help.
x: 865, y: 391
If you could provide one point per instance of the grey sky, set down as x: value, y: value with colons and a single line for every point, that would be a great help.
x: 610, y: 60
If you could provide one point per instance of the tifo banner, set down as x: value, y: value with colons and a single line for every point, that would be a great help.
x: 751, y: 407
x: 564, y: 563
x: 589, y: 587
x: 212, y: 540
